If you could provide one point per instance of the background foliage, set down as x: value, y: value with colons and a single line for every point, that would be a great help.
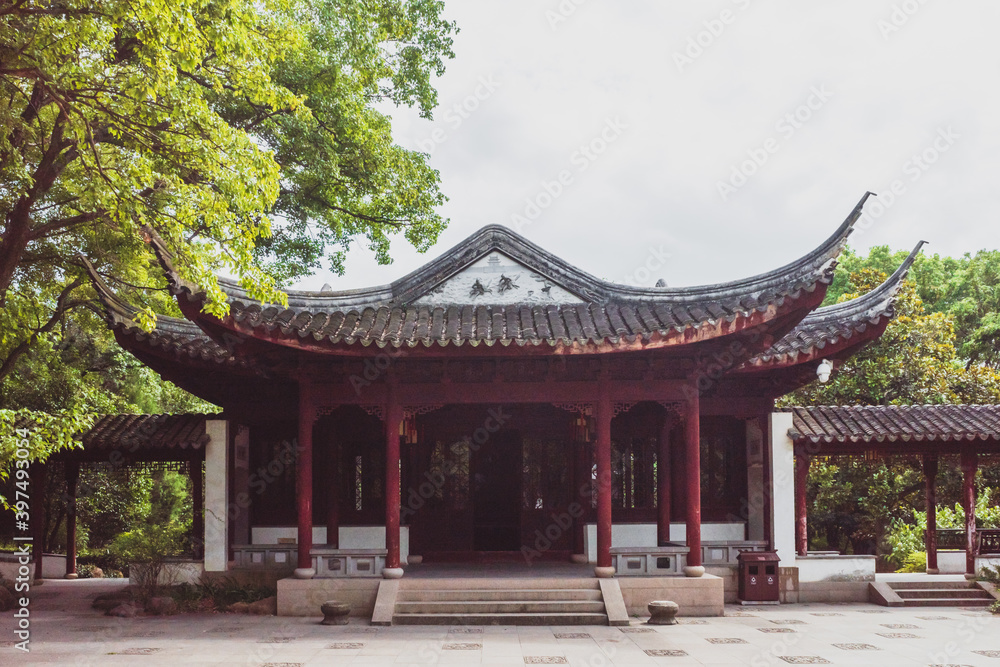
x: 942, y: 347
x: 250, y: 135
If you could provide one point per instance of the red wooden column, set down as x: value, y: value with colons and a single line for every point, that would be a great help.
x: 198, y: 507
x: 801, y: 504
x: 930, y: 535
x: 304, y: 481
x: 393, y: 418
x: 692, y: 460
x: 72, y: 475
x: 663, y: 469
x: 604, y: 413
x: 582, y: 494
x: 970, y: 464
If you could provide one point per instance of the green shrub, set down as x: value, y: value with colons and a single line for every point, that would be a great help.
x: 990, y: 574
x: 228, y: 591
x: 915, y: 562
x: 110, y: 563
x: 907, y: 537
x: 152, y: 545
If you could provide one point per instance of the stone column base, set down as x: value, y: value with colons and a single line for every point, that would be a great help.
x: 304, y: 573
x: 694, y: 571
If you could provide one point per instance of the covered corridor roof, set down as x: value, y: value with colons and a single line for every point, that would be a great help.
x: 868, y: 424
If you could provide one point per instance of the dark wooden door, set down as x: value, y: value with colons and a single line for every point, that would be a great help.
x: 496, y: 493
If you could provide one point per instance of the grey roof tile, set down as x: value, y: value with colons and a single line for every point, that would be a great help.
x: 881, y: 423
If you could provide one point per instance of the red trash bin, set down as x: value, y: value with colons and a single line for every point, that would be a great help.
x: 758, y: 576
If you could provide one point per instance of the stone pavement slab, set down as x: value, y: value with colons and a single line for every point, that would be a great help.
x: 66, y: 631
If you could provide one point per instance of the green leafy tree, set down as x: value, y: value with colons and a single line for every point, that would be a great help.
x: 966, y: 288
x: 855, y: 505
x: 916, y: 360
x: 248, y: 134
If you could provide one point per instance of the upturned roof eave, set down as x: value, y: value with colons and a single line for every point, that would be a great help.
x: 504, y: 240
x: 856, y: 322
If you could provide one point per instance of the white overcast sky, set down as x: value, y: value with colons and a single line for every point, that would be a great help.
x: 886, y: 80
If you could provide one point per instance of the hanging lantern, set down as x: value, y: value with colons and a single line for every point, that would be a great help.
x: 582, y: 426
x: 408, y: 429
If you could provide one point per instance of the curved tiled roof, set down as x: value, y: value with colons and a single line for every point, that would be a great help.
x: 175, y: 336
x: 527, y: 324
x: 838, y: 324
x: 606, y: 312
x: 147, y: 432
x: 891, y: 423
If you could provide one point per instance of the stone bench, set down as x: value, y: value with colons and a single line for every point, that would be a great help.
x: 649, y: 561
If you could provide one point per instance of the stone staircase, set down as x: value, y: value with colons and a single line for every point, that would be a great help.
x: 555, y: 601
x: 932, y: 594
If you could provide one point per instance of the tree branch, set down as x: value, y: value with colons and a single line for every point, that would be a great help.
x: 61, y: 223
x: 63, y: 306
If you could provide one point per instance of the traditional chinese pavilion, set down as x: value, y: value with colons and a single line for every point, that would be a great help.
x: 500, y: 403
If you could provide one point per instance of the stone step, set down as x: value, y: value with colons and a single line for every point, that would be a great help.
x: 502, y: 619
x: 963, y: 593
x: 487, y: 595
x: 951, y: 585
x: 501, y: 607
x: 947, y: 602
x: 500, y: 583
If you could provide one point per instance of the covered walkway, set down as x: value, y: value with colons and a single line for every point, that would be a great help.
x: 970, y: 433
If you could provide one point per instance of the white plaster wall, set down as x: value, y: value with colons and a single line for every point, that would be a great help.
x: 990, y: 561
x: 527, y: 286
x: 644, y: 535
x: 835, y: 568
x: 782, y: 457
x: 53, y: 566
x: 216, y: 496
x: 951, y: 562
x: 351, y: 537
x: 10, y: 567
x: 173, y: 572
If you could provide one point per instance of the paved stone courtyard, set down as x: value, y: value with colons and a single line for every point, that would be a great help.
x: 65, y: 631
